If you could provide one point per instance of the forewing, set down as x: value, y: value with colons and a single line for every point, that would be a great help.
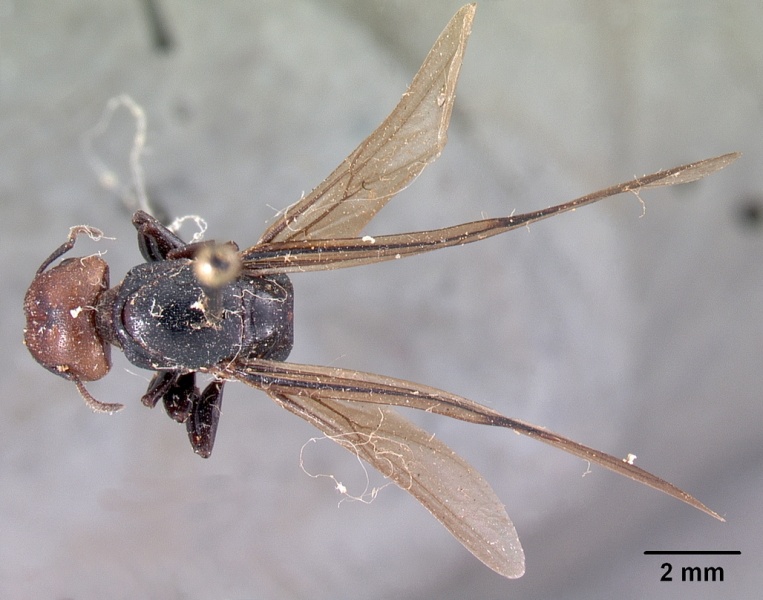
x: 411, y: 137
x: 315, y: 384
x: 451, y: 489
x: 324, y: 254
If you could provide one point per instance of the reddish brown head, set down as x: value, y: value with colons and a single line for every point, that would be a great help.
x: 61, y: 331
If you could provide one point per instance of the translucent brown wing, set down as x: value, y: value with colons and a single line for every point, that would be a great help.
x: 446, y: 485
x: 350, y: 407
x: 411, y: 137
x: 315, y: 384
x: 323, y: 254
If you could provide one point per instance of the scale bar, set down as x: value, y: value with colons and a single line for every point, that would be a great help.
x: 689, y: 552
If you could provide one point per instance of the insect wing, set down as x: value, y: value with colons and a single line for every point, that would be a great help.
x: 451, y: 489
x: 410, y: 138
x: 300, y: 256
x: 317, y: 384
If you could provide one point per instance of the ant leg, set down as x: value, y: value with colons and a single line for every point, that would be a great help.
x: 159, y: 385
x: 155, y: 241
x: 177, y: 391
x: 202, y: 423
x: 180, y: 399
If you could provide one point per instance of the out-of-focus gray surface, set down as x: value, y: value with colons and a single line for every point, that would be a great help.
x: 629, y: 334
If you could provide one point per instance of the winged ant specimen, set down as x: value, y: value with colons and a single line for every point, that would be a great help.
x: 227, y: 313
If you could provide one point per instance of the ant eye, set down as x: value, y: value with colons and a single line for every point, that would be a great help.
x: 61, y: 332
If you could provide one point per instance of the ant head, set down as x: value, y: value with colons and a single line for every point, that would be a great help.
x: 61, y: 332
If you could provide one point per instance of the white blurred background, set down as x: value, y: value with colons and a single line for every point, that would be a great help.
x: 628, y: 334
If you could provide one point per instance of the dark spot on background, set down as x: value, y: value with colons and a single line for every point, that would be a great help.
x: 161, y: 38
x: 750, y: 213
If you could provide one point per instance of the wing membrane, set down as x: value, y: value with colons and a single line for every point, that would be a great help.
x: 324, y: 254
x: 410, y: 138
x: 446, y: 485
x: 318, y: 384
